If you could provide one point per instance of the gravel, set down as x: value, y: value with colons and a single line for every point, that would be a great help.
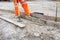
x: 32, y: 31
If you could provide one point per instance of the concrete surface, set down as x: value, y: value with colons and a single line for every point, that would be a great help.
x: 46, y: 7
x: 30, y: 32
x: 13, y: 22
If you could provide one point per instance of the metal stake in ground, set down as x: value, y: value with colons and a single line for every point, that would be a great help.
x: 56, y: 11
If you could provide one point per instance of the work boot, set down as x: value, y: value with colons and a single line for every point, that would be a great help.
x: 28, y: 17
x: 18, y: 19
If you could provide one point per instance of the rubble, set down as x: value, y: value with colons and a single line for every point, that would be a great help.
x: 35, y: 29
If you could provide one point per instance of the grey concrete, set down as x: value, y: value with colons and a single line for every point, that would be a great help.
x: 13, y: 22
x: 32, y: 31
x: 46, y: 7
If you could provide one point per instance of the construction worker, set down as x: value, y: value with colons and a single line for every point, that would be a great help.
x: 24, y: 5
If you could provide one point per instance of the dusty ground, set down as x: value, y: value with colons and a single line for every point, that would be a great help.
x: 32, y: 31
x: 46, y: 7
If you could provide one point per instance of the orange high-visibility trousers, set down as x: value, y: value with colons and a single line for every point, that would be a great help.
x: 17, y: 13
x: 24, y: 5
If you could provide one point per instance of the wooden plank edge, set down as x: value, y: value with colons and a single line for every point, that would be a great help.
x: 13, y: 22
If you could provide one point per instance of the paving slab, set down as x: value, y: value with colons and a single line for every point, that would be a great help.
x: 13, y: 22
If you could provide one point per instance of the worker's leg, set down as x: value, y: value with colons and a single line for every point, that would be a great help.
x: 17, y: 13
x: 25, y: 7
